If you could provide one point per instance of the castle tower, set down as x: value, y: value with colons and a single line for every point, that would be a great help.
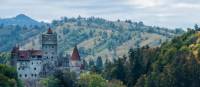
x: 75, y: 61
x: 50, y: 48
x: 14, y: 55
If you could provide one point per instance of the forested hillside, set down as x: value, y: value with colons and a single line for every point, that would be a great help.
x: 175, y: 64
x: 17, y: 30
x: 108, y: 39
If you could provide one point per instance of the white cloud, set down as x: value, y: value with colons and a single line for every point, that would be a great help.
x: 187, y: 5
x: 145, y: 3
x: 167, y: 13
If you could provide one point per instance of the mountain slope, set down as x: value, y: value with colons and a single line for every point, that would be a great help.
x: 177, y: 63
x: 21, y: 20
x: 109, y: 39
x: 17, y: 30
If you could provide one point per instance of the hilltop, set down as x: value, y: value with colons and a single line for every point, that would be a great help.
x: 17, y: 30
x: 21, y: 20
x: 94, y: 36
x: 99, y: 37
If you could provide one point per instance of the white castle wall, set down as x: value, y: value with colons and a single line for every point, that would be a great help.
x: 29, y: 69
x: 75, y: 66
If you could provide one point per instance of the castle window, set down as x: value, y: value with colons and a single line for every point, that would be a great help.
x: 32, y: 75
x: 35, y: 75
x: 39, y: 56
x: 25, y: 75
x: 20, y: 75
x: 52, y: 46
x: 34, y: 68
x: 32, y: 63
x: 18, y: 68
x: 52, y: 58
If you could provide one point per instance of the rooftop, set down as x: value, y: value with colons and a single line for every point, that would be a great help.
x: 49, y: 31
x: 75, y: 54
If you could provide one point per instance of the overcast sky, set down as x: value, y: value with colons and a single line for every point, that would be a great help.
x: 164, y: 13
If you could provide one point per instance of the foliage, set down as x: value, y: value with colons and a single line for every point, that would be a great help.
x: 50, y: 82
x: 4, y: 58
x: 17, y: 34
x: 99, y: 64
x: 175, y: 64
x: 115, y: 83
x: 60, y: 79
x: 91, y: 80
x: 8, y: 77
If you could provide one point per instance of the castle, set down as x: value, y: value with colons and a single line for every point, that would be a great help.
x: 34, y: 64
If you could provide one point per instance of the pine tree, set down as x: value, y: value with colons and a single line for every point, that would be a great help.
x: 99, y: 64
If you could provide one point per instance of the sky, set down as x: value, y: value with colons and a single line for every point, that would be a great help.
x: 163, y: 13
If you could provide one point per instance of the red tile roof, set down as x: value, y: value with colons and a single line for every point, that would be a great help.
x: 49, y: 31
x: 27, y: 54
x: 24, y: 55
x: 36, y: 52
x: 75, y: 55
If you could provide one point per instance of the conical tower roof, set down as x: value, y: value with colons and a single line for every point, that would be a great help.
x: 75, y: 54
x: 49, y: 31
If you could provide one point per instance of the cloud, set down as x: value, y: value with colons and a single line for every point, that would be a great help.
x: 166, y: 13
x: 145, y: 3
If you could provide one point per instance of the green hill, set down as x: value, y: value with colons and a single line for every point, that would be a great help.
x: 175, y: 64
x: 99, y: 37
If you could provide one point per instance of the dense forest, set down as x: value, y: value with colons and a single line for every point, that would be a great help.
x: 8, y: 77
x: 174, y: 64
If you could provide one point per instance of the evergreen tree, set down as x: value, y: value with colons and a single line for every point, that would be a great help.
x: 99, y: 64
x: 196, y: 27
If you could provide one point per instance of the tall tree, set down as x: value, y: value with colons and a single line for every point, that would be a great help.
x: 99, y: 64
